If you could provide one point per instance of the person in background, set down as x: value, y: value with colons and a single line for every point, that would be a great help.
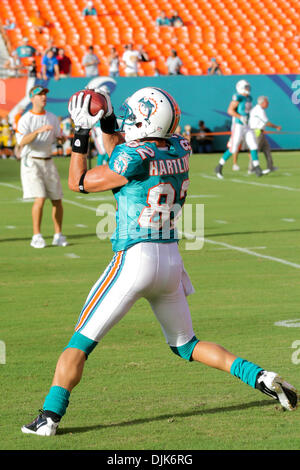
x: 32, y: 69
x: 67, y: 130
x: 114, y: 62
x: 9, y: 25
x: 130, y: 60
x: 13, y: 66
x: 37, y: 131
x: 143, y: 55
x: 176, y: 20
x: 214, y: 68
x: 50, y: 66
x: 163, y: 20
x: 89, y: 10
x: 174, y: 63
x: 258, y: 121
x: 187, y: 132
x: 90, y: 62
x: 64, y: 64
x: 203, y: 141
x: 24, y: 52
x: 239, y: 109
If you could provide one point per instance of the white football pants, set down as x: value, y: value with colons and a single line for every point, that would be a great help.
x: 238, y: 133
x: 154, y: 271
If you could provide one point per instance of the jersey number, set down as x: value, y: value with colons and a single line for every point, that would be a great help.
x: 160, y: 208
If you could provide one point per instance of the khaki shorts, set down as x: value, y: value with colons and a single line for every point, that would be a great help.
x: 40, y: 178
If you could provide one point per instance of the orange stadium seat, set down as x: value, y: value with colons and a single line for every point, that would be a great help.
x: 246, y: 36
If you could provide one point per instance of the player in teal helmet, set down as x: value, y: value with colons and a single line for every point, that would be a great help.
x: 239, y: 109
x: 148, y: 172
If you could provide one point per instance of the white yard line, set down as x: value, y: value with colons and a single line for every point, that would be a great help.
x: 189, y: 236
x: 71, y: 255
x: 253, y: 183
x: 253, y: 253
x: 13, y: 186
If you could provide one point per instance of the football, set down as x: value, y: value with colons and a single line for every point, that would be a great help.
x: 97, y: 101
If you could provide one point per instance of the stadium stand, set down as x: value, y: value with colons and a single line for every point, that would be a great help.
x: 245, y: 36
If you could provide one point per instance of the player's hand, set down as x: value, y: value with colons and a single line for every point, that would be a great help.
x: 278, y: 128
x: 244, y: 120
x: 79, y: 111
x: 106, y: 96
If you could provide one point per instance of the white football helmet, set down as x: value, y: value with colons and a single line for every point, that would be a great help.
x: 243, y: 87
x: 149, y: 112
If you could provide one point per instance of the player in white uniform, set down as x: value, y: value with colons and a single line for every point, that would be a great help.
x: 239, y: 109
x: 148, y: 174
x: 37, y: 130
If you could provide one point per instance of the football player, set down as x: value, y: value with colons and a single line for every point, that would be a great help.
x: 239, y: 109
x: 149, y: 176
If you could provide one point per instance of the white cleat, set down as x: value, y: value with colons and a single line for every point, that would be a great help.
x: 235, y: 167
x: 273, y: 385
x: 37, y: 241
x: 42, y: 425
x: 59, y: 240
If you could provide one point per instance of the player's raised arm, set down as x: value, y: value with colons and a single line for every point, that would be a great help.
x: 100, y: 178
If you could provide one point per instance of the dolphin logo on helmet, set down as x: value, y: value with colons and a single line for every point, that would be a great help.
x: 149, y: 112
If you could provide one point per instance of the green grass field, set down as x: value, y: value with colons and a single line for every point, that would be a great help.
x: 135, y: 393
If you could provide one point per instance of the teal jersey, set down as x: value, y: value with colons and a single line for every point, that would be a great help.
x: 148, y: 205
x: 25, y: 51
x: 244, y: 106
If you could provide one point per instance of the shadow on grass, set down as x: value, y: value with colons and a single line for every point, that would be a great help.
x: 162, y: 417
x: 69, y: 237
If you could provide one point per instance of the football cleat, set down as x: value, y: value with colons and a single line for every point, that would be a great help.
x: 273, y: 385
x: 59, y: 240
x: 37, y: 241
x: 42, y: 425
x: 258, y: 171
x: 235, y: 167
x: 218, y: 171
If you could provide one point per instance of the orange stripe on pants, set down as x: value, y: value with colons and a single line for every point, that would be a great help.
x: 100, y: 290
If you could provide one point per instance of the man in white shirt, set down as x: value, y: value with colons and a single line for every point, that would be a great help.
x: 130, y: 60
x: 174, y: 63
x: 37, y: 130
x: 258, y: 121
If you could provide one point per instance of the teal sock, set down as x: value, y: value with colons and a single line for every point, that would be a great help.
x: 57, y: 400
x: 254, y: 155
x: 245, y: 371
x: 226, y: 155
